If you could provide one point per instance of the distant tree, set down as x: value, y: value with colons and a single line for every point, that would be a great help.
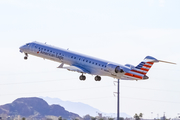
x: 87, y: 117
x: 121, y: 118
x: 136, y: 117
x: 23, y: 118
x: 60, y: 118
x: 93, y: 118
x: 76, y: 119
x: 140, y: 115
x: 110, y: 118
x: 101, y: 119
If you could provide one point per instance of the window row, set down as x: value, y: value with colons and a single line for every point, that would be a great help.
x: 89, y: 61
x: 47, y: 50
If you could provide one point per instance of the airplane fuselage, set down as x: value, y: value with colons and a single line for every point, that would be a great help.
x: 81, y: 63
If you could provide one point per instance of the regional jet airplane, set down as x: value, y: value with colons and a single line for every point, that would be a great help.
x: 89, y: 65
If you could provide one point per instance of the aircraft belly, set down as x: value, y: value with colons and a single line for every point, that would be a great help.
x: 99, y: 71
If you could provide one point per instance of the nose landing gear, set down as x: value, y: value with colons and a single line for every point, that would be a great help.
x: 26, y: 56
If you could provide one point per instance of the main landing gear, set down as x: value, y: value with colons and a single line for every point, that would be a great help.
x: 83, y: 77
x: 97, y: 78
x: 26, y: 56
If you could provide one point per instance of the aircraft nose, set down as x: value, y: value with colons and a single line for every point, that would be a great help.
x: 21, y: 48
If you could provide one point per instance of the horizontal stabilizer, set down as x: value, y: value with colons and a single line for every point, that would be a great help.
x: 166, y: 62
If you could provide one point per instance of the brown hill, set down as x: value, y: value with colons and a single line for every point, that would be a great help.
x: 36, y: 107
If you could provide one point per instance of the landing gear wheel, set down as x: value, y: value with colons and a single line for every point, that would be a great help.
x: 97, y: 78
x: 25, y: 57
x: 82, y: 77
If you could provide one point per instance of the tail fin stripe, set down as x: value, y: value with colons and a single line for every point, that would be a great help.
x: 147, y: 66
x: 140, y: 65
x: 144, y: 69
x: 150, y: 63
x: 138, y: 72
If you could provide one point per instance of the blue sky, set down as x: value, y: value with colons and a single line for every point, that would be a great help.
x: 122, y: 31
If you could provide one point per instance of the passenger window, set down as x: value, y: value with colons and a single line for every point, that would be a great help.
x: 71, y: 56
x: 89, y: 61
x: 99, y: 65
x: 48, y: 50
x: 92, y: 62
x: 79, y: 58
x: 74, y: 57
x: 86, y: 60
x: 96, y: 63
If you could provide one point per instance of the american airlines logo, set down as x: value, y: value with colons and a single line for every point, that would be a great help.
x: 51, y: 54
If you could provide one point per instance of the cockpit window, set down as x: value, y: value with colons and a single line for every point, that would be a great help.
x: 27, y: 44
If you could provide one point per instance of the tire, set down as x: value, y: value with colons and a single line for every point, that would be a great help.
x: 25, y: 57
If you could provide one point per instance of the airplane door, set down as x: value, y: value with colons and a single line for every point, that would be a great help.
x: 81, y: 61
x: 32, y: 48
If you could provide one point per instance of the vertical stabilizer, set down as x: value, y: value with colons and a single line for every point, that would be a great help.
x: 145, y: 65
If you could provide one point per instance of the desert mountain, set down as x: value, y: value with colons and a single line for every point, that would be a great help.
x: 36, y: 107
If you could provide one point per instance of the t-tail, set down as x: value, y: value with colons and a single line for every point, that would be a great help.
x: 145, y: 65
x: 140, y: 71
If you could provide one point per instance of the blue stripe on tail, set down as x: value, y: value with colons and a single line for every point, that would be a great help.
x: 140, y: 65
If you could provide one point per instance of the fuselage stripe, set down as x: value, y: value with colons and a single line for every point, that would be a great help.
x: 132, y: 75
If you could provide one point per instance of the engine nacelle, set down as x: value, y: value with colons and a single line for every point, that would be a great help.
x: 114, y: 69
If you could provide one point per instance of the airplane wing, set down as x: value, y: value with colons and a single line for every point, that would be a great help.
x: 74, y: 68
